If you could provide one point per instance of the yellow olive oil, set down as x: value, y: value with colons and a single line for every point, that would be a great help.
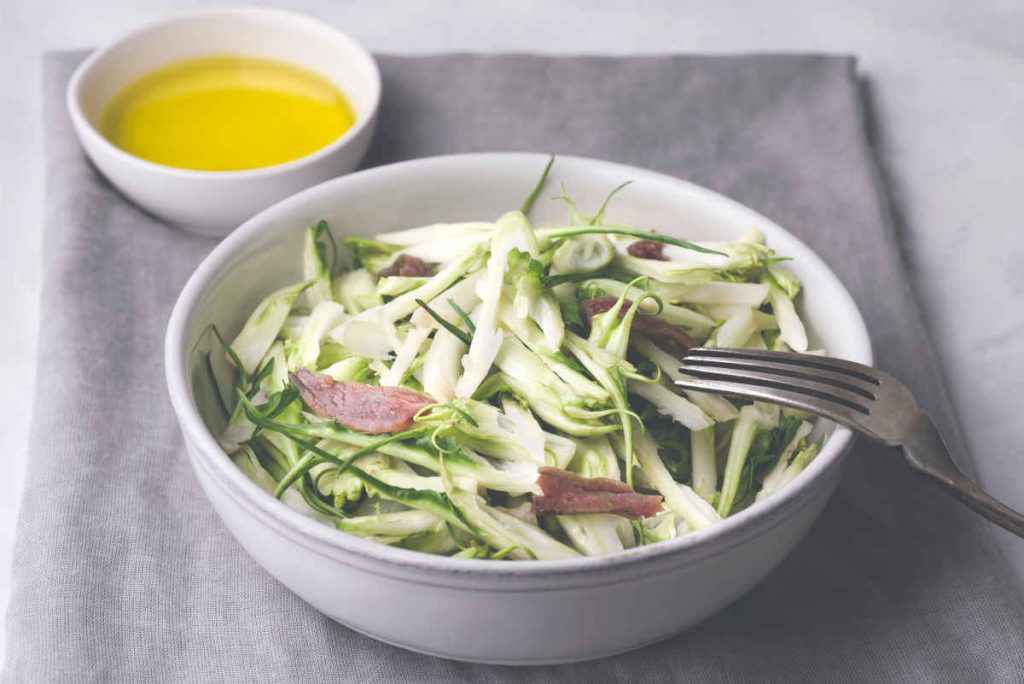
x: 226, y: 113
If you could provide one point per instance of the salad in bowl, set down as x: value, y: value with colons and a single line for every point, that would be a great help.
x: 502, y: 390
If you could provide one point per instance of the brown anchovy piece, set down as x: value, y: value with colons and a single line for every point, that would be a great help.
x: 364, y: 408
x: 566, y: 492
x: 409, y: 267
x: 647, y: 249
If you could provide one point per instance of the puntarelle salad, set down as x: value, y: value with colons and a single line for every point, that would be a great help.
x: 503, y: 390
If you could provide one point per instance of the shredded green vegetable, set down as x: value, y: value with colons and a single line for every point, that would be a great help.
x: 418, y: 411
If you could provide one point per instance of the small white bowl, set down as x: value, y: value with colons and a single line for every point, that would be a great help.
x: 215, y: 202
x: 528, y: 612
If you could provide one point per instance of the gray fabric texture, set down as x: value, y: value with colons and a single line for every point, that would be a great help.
x: 124, y: 573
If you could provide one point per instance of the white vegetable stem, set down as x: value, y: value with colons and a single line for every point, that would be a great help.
x: 264, y: 324
x: 487, y: 339
x: 595, y: 534
x: 736, y: 330
x: 739, y: 446
x: 746, y: 294
x: 775, y: 477
x: 314, y: 269
x: 406, y: 355
x: 441, y: 365
x: 716, y: 407
x: 791, y: 329
x: 501, y: 530
x: 671, y: 404
x: 356, y: 290
x: 705, y: 467
x: 527, y: 430
x: 372, y: 332
x: 435, y: 232
x: 692, y: 321
x: 679, y: 498
x: 325, y: 316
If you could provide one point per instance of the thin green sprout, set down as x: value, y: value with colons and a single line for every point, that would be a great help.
x: 570, y: 231
x: 470, y: 325
x: 208, y: 364
x: 532, y: 197
x: 463, y: 337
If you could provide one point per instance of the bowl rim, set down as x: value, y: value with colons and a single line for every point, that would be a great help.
x: 297, y: 22
x: 207, y: 451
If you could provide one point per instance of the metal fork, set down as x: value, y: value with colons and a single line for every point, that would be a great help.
x: 860, y: 397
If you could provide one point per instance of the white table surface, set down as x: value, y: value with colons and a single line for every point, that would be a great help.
x: 947, y: 80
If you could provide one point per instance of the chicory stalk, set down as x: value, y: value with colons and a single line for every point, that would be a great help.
x: 689, y: 267
x: 314, y: 265
x: 351, y: 369
x: 527, y: 332
x: 461, y: 464
x: 484, y: 428
x: 712, y: 293
x: 617, y: 341
x: 372, y: 334
x: 596, y: 458
x: 559, y: 450
x: 441, y: 251
x: 774, y: 478
x: 671, y: 404
x: 661, y: 527
x: 427, y: 500
x: 264, y: 325
x: 582, y: 254
x: 756, y: 341
x: 435, y: 232
x: 407, y: 353
x: 530, y: 300
x: 441, y: 365
x: 762, y: 321
x: 800, y: 461
x: 791, y: 329
x: 595, y: 534
x: 736, y: 330
x: 547, y: 404
x: 739, y: 446
x: 705, y: 466
x: 612, y: 380
x: 399, y: 524
x: 462, y: 295
x: 714, y: 406
x: 250, y: 464
x: 680, y: 499
x: 512, y: 229
x: 527, y: 430
x: 548, y: 235
x: 392, y: 286
x: 785, y: 280
x: 239, y: 428
x: 357, y: 291
x: 693, y: 322
x: 324, y: 317
x: 500, y: 530
x: 293, y: 326
x: 515, y: 360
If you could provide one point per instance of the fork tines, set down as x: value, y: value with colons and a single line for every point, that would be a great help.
x: 839, y: 389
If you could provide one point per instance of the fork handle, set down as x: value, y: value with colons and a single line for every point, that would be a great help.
x: 926, y: 452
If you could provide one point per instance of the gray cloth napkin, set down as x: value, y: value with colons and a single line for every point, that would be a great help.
x: 123, y: 571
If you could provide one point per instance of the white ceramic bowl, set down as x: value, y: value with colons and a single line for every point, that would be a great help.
x: 215, y: 202
x: 521, y: 612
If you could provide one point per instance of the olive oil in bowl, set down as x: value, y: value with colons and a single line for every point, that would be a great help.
x: 226, y: 113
